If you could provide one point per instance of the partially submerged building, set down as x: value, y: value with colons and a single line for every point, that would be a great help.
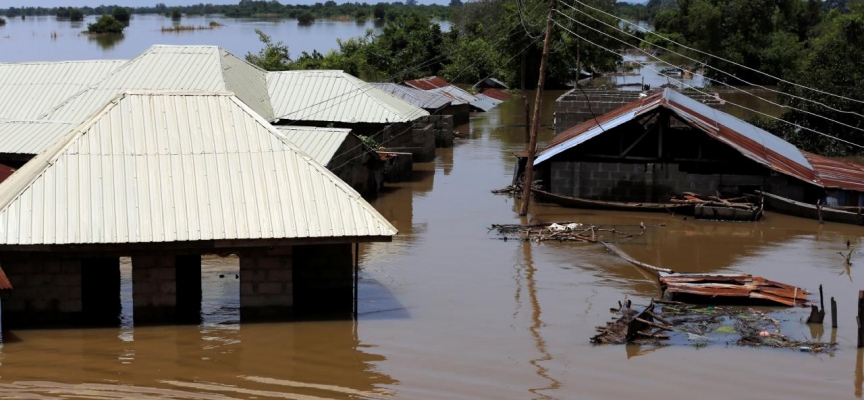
x: 492, y: 90
x: 668, y: 143
x: 165, y: 177
x: 441, y: 109
x: 342, y: 152
x: 462, y: 101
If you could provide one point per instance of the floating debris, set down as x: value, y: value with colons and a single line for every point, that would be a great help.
x: 516, y: 189
x: 562, y: 231
x: 677, y: 322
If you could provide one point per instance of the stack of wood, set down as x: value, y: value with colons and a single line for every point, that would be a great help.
x: 716, y: 207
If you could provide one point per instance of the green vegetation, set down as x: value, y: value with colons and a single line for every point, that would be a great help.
x: 73, y: 14
x: 486, y: 39
x: 305, y: 18
x: 106, y: 24
x: 2, y: 22
x: 176, y: 14
x: 121, y: 14
x: 815, y: 44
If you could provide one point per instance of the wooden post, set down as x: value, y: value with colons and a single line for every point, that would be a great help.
x: 833, y: 313
x: 860, y: 315
x: 819, y: 210
x: 535, y: 123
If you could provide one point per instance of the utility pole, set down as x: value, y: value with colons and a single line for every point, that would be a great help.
x: 535, y: 123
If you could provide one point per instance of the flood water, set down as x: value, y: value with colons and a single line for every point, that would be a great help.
x: 447, y: 311
x: 47, y: 39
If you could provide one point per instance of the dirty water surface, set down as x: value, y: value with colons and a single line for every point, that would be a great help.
x: 447, y: 310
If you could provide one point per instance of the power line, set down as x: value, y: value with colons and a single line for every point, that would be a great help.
x: 702, y: 92
x: 714, y: 80
x: 710, y: 67
x: 721, y: 58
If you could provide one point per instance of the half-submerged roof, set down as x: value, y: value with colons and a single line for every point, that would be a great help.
x: 155, y: 167
x: 416, y: 97
x: 319, y: 143
x: 335, y: 96
x: 751, y: 141
x: 30, y: 89
x: 434, y: 84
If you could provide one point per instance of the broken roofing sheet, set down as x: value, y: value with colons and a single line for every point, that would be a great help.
x: 435, y: 84
x: 752, y: 142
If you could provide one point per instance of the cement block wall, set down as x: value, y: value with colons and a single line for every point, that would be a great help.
x: 574, y: 107
x: 159, y: 282
x: 44, y: 291
x: 651, y: 182
x: 267, y: 285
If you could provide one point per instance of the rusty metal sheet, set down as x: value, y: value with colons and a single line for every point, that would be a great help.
x: 4, y: 281
x: 428, y: 83
x: 496, y: 94
x: 837, y: 174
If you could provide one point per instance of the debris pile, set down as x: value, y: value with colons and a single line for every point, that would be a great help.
x: 515, y: 190
x: 679, y: 323
x: 562, y: 231
x: 716, y: 207
x: 732, y: 288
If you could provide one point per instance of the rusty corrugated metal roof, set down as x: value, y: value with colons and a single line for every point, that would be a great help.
x: 752, y: 142
x: 496, y: 94
x: 428, y: 83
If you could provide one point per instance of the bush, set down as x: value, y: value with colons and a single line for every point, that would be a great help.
x: 75, y: 14
x: 305, y: 18
x: 176, y: 15
x: 121, y: 14
x: 106, y: 24
x: 2, y: 22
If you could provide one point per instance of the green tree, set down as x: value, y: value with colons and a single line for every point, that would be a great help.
x: 121, y: 14
x: 106, y: 24
x: 2, y: 22
x: 305, y: 18
x: 75, y: 14
x: 176, y: 14
x: 380, y: 11
x: 273, y: 57
x: 410, y: 40
x: 832, y: 66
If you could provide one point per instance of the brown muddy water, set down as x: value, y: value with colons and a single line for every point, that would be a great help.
x: 447, y: 311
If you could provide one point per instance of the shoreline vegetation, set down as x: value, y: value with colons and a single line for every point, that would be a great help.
x: 185, y: 28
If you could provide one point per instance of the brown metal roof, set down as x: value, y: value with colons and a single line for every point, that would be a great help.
x: 4, y: 281
x: 752, y: 142
x: 496, y: 94
x: 428, y: 83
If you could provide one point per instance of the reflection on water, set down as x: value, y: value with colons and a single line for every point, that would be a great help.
x: 106, y: 41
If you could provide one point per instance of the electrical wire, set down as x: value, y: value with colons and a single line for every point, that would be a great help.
x: 716, y: 81
x: 729, y: 102
x: 720, y: 58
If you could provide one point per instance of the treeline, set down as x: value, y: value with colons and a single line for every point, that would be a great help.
x: 487, y: 38
x: 262, y: 8
x: 815, y: 44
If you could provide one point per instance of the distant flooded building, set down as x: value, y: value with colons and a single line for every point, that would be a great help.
x: 342, y: 152
x: 165, y: 177
x: 493, y: 90
x: 462, y: 101
x: 668, y: 143
x: 440, y: 108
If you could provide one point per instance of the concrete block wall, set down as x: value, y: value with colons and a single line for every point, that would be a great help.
x: 443, y: 130
x: 44, y: 291
x: 649, y: 182
x: 267, y: 284
x: 423, y: 137
x: 154, y: 287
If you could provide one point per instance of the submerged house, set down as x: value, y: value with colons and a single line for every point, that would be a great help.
x: 492, y: 89
x: 462, y: 101
x: 164, y: 178
x: 668, y: 143
x: 440, y: 108
x: 342, y: 152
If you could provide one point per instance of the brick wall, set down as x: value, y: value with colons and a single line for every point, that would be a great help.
x: 267, y: 284
x: 45, y: 292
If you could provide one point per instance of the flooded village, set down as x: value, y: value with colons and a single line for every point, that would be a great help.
x: 179, y: 220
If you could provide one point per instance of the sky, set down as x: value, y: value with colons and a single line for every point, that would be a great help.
x: 139, y: 3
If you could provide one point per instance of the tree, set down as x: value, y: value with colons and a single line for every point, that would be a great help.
x: 380, y: 11
x: 75, y: 14
x: 106, y: 24
x: 305, y: 18
x: 176, y: 14
x: 2, y: 22
x: 121, y: 14
x: 360, y: 15
x: 273, y: 57
x: 455, y: 3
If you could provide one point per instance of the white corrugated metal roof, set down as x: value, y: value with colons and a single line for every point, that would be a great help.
x: 30, y: 89
x: 205, y: 68
x: 319, y: 143
x: 416, y: 97
x: 163, y: 167
x: 30, y: 137
x: 334, y: 96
